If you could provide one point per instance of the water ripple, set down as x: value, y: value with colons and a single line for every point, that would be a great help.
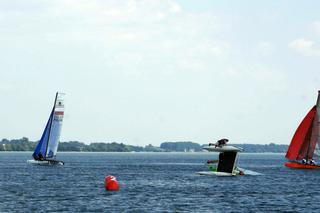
x: 153, y: 182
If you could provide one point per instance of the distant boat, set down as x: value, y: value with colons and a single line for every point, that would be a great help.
x: 46, y: 150
x: 304, y: 145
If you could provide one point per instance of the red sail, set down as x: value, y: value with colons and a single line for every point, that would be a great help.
x: 300, y: 144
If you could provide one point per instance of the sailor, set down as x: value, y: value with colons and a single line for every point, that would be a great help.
x: 312, y: 162
x: 35, y: 156
x: 241, y: 172
x: 221, y: 142
x: 40, y: 157
x: 212, y: 161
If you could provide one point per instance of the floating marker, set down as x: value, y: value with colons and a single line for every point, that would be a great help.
x: 111, y: 183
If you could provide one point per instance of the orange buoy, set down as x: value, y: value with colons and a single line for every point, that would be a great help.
x: 111, y: 183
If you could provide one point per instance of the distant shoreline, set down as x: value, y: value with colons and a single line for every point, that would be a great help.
x: 186, y: 153
x: 24, y: 144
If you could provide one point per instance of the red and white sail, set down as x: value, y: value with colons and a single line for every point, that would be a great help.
x: 54, y: 137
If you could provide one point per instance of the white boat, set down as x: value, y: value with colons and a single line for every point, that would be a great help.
x: 226, y: 165
x: 46, y: 150
x: 45, y: 162
x: 225, y: 148
x: 212, y: 173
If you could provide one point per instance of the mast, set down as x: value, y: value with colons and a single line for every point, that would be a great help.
x: 54, y: 106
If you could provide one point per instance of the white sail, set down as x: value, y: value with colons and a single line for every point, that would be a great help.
x: 56, y: 125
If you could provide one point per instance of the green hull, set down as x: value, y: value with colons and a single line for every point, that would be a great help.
x: 212, y: 167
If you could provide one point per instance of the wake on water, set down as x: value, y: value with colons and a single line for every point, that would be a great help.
x: 245, y: 171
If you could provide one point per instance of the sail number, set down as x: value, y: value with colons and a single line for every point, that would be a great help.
x: 58, y: 117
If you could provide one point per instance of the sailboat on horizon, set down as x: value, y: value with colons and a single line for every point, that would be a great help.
x: 46, y: 150
x: 304, y: 146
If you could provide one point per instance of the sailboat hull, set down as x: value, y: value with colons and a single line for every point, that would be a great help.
x: 295, y: 165
x: 45, y: 162
x: 211, y: 173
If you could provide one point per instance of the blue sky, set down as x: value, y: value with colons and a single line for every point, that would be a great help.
x: 142, y: 72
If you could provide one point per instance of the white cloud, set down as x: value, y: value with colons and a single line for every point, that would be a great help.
x: 305, y: 47
x: 158, y: 29
x: 155, y: 30
x: 133, y: 57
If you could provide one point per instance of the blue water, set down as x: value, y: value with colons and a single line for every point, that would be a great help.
x: 152, y: 182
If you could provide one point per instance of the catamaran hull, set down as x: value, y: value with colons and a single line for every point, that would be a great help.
x: 45, y: 162
x: 295, y: 165
x: 225, y: 148
x: 211, y: 173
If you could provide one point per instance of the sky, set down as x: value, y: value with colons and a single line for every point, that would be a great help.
x: 149, y: 71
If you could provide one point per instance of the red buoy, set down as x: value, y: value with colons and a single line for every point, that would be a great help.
x: 111, y: 183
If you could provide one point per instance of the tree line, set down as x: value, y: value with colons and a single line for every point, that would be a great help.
x: 24, y: 144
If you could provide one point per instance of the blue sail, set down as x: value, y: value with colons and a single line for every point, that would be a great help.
x: 42, y: 145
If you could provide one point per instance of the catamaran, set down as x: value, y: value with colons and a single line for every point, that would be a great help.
x: 46, y: 150
x: 226, y: 165
x: 304, y: 146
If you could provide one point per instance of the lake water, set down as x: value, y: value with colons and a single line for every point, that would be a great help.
x: 151, y: 182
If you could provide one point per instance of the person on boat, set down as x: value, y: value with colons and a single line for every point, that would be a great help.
x: 221, y: 142
x: 212, y: 161
x: 304, y: 161
x: 312, y: 162
x: 35, y: 156
x: 40, y: 157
